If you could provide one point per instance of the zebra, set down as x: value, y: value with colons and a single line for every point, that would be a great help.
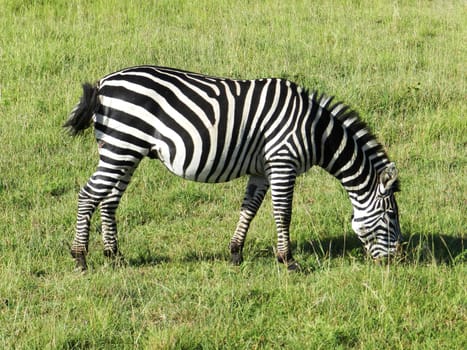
x: 212, y: 130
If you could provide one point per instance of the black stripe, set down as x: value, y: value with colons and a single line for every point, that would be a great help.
x: 332, y: 143
x: 121, y: 135
x: 321, y: 126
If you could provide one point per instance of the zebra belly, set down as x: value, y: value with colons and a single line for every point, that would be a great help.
x: 212, y: 171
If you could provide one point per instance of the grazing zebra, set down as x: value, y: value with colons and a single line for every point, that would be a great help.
x: 213, y: 130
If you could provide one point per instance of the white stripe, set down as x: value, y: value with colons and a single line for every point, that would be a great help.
x: 326, y: 134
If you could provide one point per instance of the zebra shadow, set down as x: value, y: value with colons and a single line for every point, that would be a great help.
x: 436, y: 247
x: 329, y: 248
x: 198, y: 256
x: 147, y: 258
x: 419, y: 248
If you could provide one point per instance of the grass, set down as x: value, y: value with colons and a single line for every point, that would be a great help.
x: 400, y: 63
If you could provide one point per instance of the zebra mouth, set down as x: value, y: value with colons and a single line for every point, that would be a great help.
x: 389, y: 260
x: 391, y: 256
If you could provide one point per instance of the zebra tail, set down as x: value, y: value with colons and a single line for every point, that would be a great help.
x: 80, y: 117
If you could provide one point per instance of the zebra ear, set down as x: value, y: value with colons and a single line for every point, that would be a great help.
x: 388, y: 176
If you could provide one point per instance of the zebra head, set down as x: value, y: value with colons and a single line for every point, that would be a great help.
x: 377, y: 226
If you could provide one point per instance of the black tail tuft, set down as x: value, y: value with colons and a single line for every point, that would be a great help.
x: 80, y: 117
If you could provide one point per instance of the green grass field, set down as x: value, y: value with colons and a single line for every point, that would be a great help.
x: 401, y: 64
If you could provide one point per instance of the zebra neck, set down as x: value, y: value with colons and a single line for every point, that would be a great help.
x: 360, y: 175
x: 344, y: 146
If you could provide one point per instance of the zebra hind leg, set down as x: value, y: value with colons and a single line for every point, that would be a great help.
x: 108, y: 209
x: 254, y: 195
x: 106, y: 185
x: 87, y: 204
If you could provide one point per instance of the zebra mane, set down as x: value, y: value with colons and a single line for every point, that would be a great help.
x: 352, y: 122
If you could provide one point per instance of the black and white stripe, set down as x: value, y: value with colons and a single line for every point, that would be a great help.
x: 214, y: 130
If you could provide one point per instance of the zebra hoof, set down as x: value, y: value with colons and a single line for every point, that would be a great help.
x: 109, y: 253
x: 80, y: 260
x: 289, y: 262
x: 236, y: 258
x: 293, y: 266
x: 118, y: 260
x: 236, y: 254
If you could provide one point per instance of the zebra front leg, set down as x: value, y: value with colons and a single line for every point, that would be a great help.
x: 282, y: 179
x: 254, y: 195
